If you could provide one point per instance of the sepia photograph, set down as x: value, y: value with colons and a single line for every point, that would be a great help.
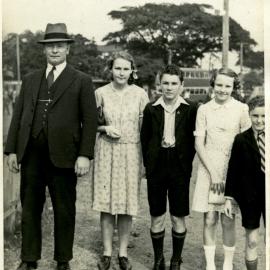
x: 133, y: 135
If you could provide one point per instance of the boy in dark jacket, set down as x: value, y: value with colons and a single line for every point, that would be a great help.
x: 246, y: 178
x: 168, y: 150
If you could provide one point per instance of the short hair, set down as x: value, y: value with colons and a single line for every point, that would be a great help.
x: 173, y: 70
x: 228, y: 72
x: 257, y: 101
x: 126, y: 56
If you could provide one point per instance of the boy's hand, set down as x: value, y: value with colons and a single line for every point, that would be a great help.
x: 228, y: 208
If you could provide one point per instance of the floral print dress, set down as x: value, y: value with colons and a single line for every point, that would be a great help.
x: 118, y: 162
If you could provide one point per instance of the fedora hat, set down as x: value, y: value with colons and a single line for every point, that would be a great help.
x: 56, y: 33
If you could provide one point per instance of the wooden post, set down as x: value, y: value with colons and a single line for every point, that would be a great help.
x: 18, y: 57
x: 169, y: 57
x: 225, y: 35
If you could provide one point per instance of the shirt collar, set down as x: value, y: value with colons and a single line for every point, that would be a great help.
x: 59, y: 68
x: 226, y: 105
x: 160, y: 101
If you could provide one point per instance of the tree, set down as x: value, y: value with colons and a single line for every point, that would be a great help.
x: 83, y: 55
x: 188, y: 30
x: 253, y: 60
x: 252, y: 79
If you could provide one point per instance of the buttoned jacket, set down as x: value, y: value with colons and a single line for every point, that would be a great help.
x: 72, y: 117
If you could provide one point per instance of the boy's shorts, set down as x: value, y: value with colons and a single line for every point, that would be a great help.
x: 251, y: 213
x: 168, y: 179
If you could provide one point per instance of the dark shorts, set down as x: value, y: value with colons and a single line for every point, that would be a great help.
x: 252, y: 213
x: 168, y: 181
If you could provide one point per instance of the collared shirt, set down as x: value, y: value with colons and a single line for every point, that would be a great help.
x: 168, y: 139
x: 58, y: 70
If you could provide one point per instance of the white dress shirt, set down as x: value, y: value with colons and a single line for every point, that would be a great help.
x: 58, y: 70
x: 168, y: 139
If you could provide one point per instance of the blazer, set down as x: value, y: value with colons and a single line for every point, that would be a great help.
x: 152, y: 133
x: 72, y: 117
x: 245, y: 179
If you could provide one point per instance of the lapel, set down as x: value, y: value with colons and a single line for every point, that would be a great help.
x: 180, y: 113
x: 35, y: 84
x: 159, y: 115
x: 62, y: 83
x: 251, y: 141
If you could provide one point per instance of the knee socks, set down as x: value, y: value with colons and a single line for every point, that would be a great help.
x: 157, y: 241
x: 178, y: 243
x: 252, y: 265
x: 228, y: 257
x: 210, y: 257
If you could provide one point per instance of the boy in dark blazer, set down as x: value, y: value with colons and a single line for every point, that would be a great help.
x: 51, y: 140
x: 168, y: 150
x: 246, y: 178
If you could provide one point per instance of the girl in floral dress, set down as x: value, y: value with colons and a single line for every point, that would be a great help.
x: 118, y: 159
x: 217, y: 123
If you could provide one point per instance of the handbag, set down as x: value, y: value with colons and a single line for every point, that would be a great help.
x: 101, y: 118
x: 216, y: 198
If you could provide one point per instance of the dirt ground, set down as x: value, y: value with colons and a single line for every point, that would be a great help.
x: 88, y: 245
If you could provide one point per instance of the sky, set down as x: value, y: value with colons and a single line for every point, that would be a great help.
x: 89, y: 17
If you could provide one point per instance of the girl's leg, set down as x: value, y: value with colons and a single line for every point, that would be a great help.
x: 251, y: 248
x: 209, y: 238
x: 228, y: 230
x: 124, y: 223
x: 107, y: 228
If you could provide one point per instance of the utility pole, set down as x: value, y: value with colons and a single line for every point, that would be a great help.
x: 169, y: 56
x: 241, y: 57
x: 18, y: 57
x: 225, y: 35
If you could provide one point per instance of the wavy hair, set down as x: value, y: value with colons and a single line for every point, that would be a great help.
x: 173, y: 70
x: 228, y: 72
x: 126, y: 56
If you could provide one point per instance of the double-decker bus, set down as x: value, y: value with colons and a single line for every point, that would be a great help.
x: 196, y: 84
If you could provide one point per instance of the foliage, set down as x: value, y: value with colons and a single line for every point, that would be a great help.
x: 188, y: 30
x: 252, y: 79
x: 83, y: 55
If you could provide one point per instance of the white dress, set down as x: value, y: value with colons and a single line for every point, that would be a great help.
x: 218, y: 124
x: 117, y: 162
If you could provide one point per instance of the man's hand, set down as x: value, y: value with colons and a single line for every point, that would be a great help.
x: 228, y: 208
x: 82, y: 165
x: 13, y: 163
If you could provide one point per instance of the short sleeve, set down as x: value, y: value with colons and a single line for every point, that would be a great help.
x: 245, y: 122
x: 98, y: 97
x: 200, y: 127
x: 143, y: 102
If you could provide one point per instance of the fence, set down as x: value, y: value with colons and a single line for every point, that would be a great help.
x: 11, y: 198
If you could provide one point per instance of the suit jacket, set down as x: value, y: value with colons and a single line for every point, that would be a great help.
x: 152, y: 133
x: 72, y: 117
x: 245, y: 179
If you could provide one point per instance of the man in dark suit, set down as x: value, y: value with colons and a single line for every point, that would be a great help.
x: 51, y: 140
x: 246, y: 178
x: 168, y: 150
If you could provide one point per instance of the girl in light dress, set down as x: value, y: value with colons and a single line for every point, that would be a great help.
x: 217, y: 123
x: 118, y: 159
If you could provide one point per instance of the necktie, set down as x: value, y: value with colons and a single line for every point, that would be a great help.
x: 260, y: 140
x: 50, y: 77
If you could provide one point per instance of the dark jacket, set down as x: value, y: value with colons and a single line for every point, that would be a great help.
x: 152, y: 132
x: 245, y: 178
x: 72, y: 118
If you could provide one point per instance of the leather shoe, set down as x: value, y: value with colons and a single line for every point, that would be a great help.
x: 27, y: 266
x: 104, y: 263
x: 175, y: 265
x: 124, y: 263
x: 159, y: 264
x: 63, y: 266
